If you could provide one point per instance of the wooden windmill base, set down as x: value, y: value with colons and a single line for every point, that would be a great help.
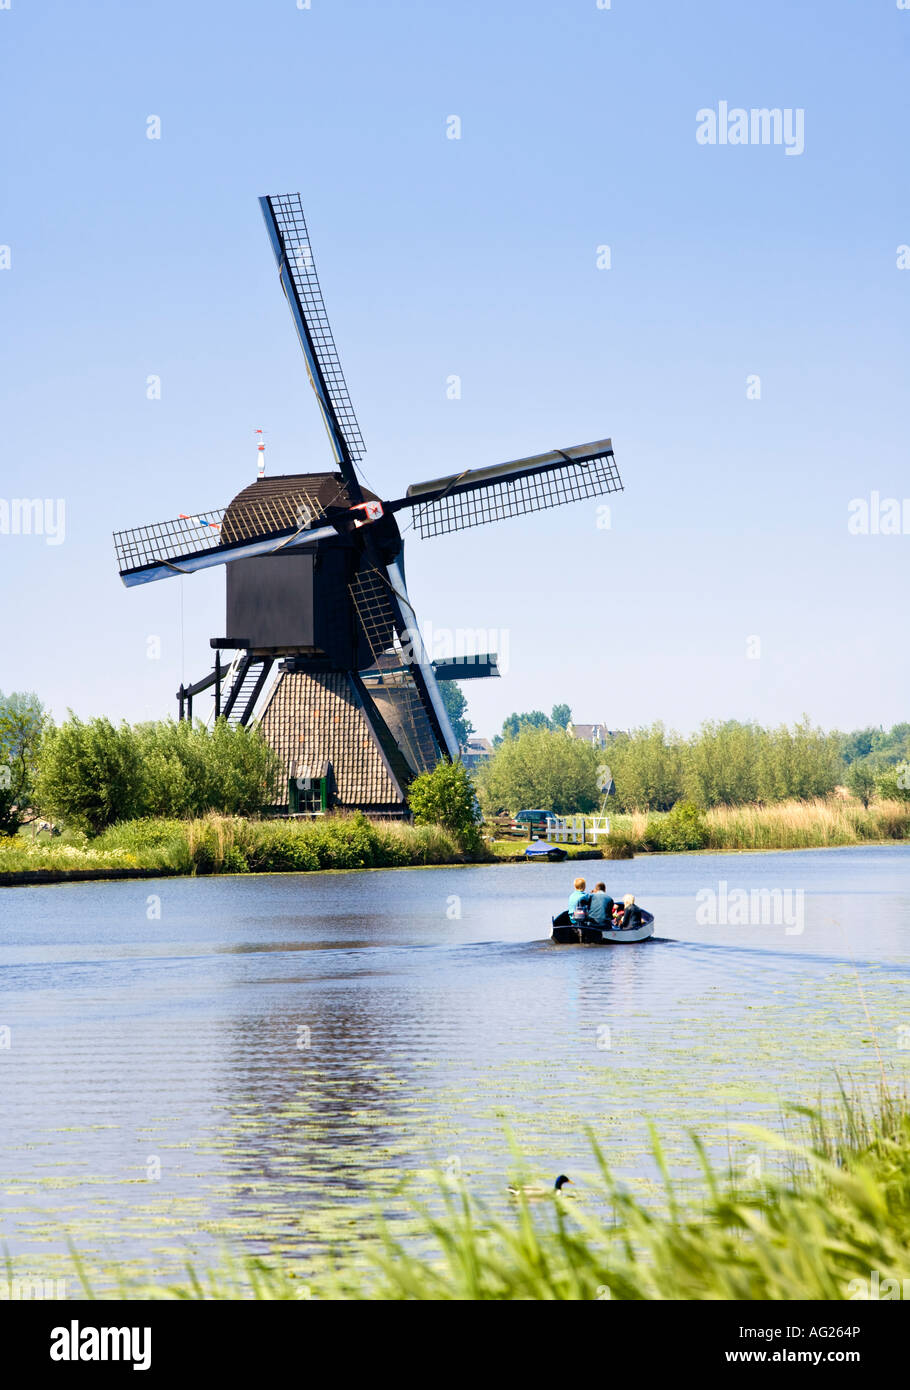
x: 326, y: 729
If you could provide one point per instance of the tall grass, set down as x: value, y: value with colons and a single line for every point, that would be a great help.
x: 232, y: 844
x: 841, y: 1212
x: 807, y: 824
x: 782, y: 825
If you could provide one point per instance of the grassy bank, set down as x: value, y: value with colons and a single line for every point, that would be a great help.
x: 817, y: 824
x: 841, y: 1213
x: 513, y: 851
x: 234, y: 844
x: 229, y: 844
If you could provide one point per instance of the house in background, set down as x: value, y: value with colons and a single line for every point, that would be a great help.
x: 598, y: 735
x: 475, y: 751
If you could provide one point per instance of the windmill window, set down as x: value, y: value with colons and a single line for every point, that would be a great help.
x: 309, y: 789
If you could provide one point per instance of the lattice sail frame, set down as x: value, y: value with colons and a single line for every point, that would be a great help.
x: 287, y: 210
x: 372, y: 596
x: 475, y: 503
x: 170, y: 542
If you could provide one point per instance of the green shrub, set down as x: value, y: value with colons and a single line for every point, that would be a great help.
x: 280, y: 847
x: 446, y: 797
x: 682, y: 828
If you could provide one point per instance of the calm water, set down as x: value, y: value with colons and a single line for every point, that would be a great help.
x: 247, y: 1068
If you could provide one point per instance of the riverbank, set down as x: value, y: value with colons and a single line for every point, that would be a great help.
x: 226, y: 844
x: 232, y: 844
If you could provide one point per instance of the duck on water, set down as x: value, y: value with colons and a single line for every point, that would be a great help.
x: 594, y: 919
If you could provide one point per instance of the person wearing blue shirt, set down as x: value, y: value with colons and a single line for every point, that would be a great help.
x: 578, y: 902
x: 600, y: 910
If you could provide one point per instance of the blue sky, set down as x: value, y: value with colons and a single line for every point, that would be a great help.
x: 475, y: 257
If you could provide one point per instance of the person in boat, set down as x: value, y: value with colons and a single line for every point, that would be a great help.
x: 600, y: 910
x: 579, y: 900
x: 631, y: 917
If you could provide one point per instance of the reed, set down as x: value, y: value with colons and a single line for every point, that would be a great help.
x: 807, y: 824
x: 817, y: 824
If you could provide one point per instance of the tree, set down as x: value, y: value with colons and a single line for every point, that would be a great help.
x: 90, y: 773
x: 188, y: 770
x: 721, y: 764
x: 446, y: 797
x: 802, y: 762
x: 23, y: 722
x: 860, y: 781
x: 892, y: 747
x: 857, y: 744
x: 514, y: 723
x: 648, y: 769
x: 94, y: 774
x: 457, y: 709
x: 542, y: 769
x: 561, y: 716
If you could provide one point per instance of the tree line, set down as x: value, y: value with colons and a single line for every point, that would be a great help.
x: 92, y: 773
x: 723, y: 764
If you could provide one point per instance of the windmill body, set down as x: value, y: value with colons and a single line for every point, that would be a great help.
x: 316, y: 598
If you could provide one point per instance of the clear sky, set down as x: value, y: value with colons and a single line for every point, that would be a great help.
x: 132, y: 257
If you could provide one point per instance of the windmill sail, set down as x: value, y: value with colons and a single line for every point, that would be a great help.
x: 190, y: 543
x: 480, y: 495
x: 290, y: 240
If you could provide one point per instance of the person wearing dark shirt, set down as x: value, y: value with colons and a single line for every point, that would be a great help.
x: 631, y: 917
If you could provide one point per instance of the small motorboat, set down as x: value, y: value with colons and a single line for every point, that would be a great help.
x: 542, y: 849
x: 569, y: 933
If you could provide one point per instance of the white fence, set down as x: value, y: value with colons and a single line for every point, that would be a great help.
x: 576, y: 830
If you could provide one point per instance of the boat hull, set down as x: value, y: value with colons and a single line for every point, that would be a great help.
x: 567, y: 933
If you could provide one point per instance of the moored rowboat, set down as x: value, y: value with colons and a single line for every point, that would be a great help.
x: 568, y: 933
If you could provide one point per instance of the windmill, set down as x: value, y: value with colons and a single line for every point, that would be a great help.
x: 316, y: 584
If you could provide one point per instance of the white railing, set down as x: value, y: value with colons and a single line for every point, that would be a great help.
x: 576, y: 830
